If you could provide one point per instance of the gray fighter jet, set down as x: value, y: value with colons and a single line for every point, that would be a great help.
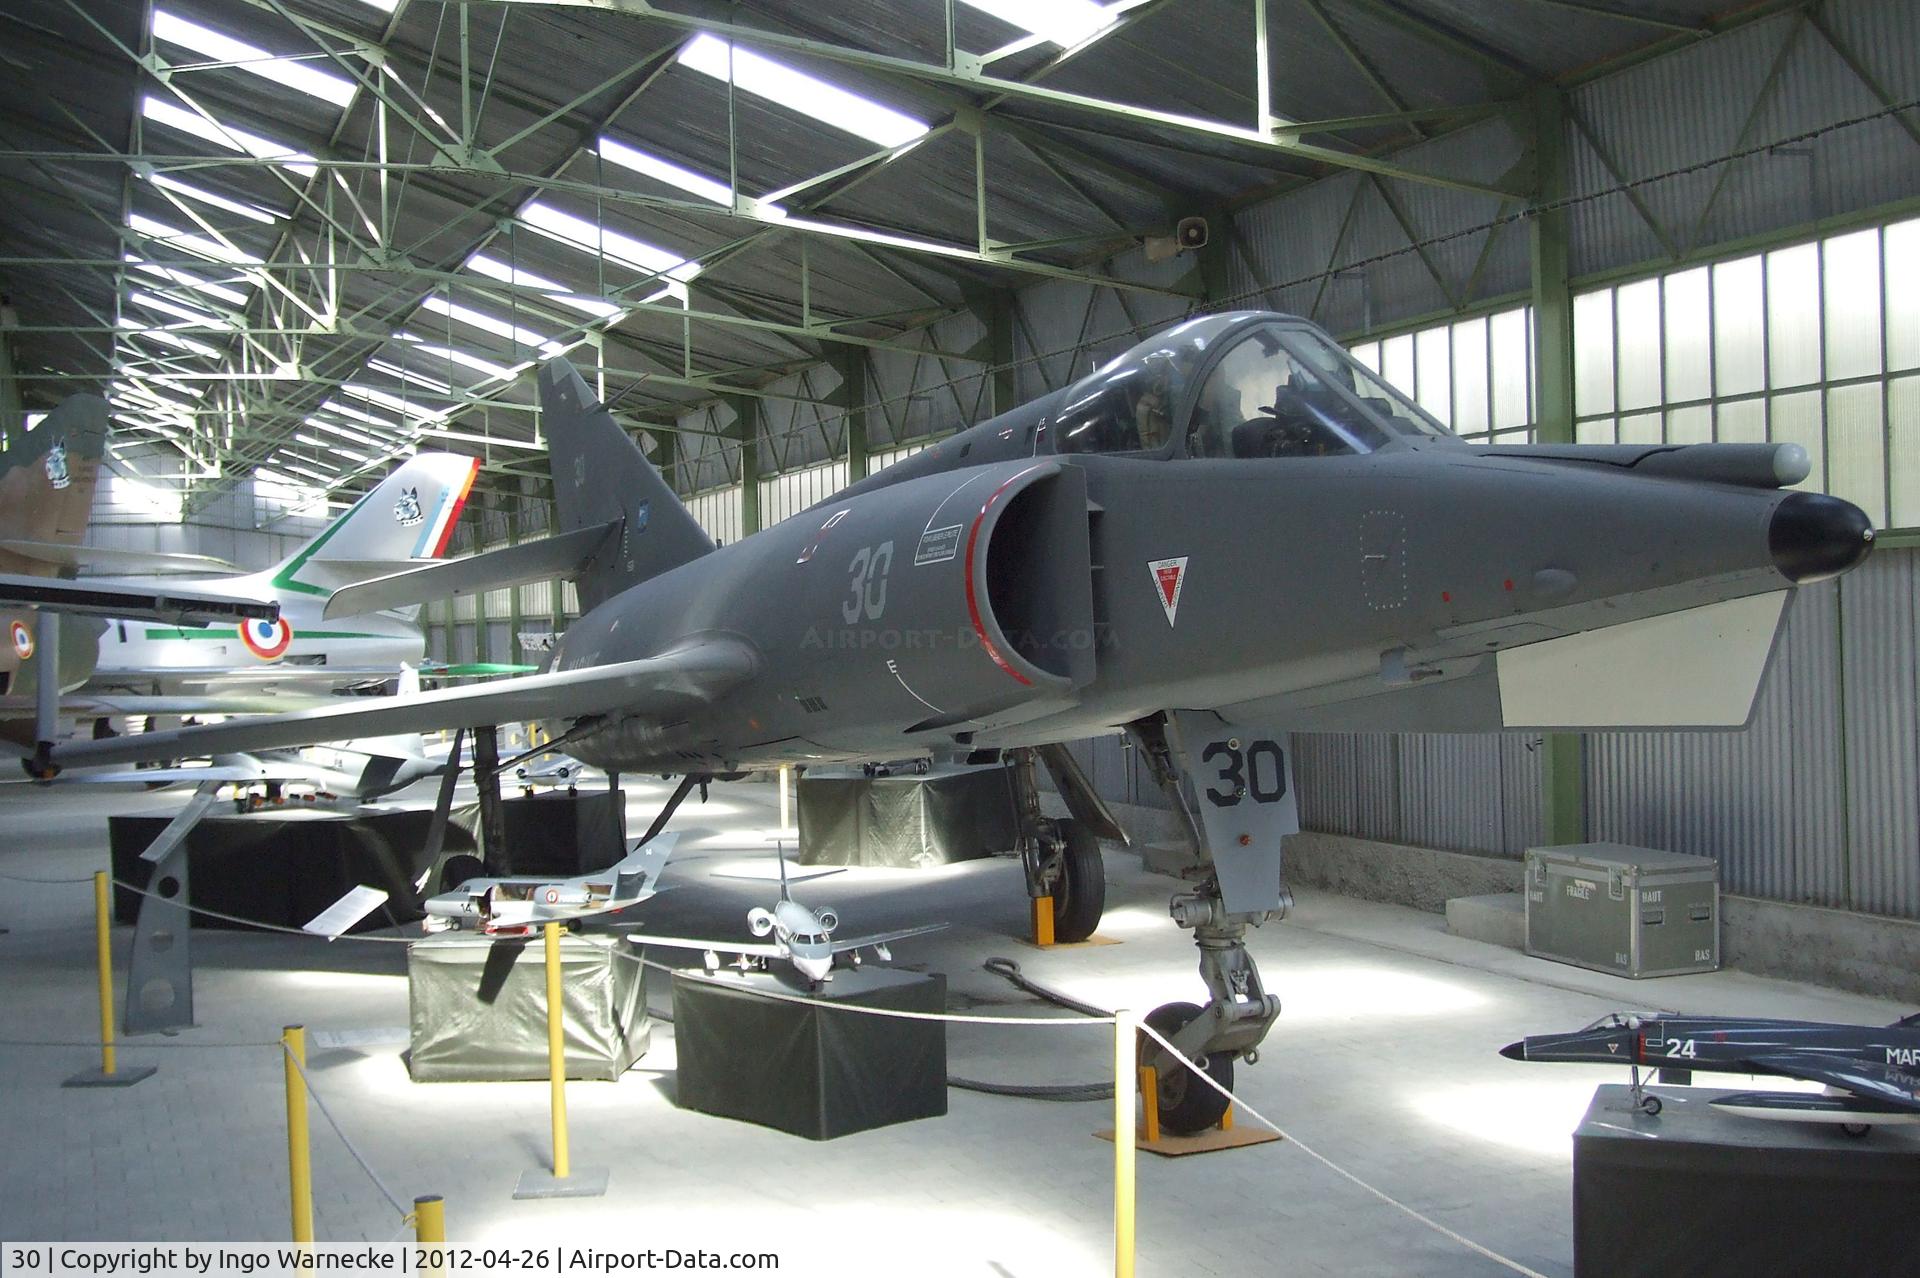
x: 1230, y: 533
x: 1871, y: 1073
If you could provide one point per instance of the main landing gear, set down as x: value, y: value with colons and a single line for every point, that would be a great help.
x: 1062, y: 855
x: 1233, y: 788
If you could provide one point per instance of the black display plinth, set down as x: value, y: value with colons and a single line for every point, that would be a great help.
x: 477, y: 1008
x: 803, y: 1067
x: 285, y: 868
x: 1704, y: 1193
x: 559, y: 834
x: 950, y: 814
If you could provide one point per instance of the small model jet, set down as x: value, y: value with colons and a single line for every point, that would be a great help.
x: 801, y: 936
x: 357, y: 770
x: 1872, y: 1073
x: 516, y: 906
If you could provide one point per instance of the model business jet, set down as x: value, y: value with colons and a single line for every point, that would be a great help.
x: 1230, y: 533
x: 1871, y: 1073
x: 801, y: 937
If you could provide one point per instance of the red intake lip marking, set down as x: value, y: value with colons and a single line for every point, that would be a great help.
x: 973, y: 605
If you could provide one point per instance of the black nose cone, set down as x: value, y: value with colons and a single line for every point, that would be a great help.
x: 1515, y: 1051
x: 1814, y: 536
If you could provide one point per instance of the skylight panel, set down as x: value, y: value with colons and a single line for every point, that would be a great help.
x: 331, y: 448
x: 251, y: 212
x: 666, y: 171
x: 493, y: 268
x: 198, y: 245
x: 579, y: 233
x: 378, y: 423
x: 187, y: 313
x: 334, y: 428
x: 393, y: 403
x: 287, y: 72
x: 454, y: 355
x: 1065, y: 22
x: 490, y: 324
x: 408, y: 375
x: 232, y: 296
x: 134, y: 328
x: 797, y: 91
x: 160, y: 111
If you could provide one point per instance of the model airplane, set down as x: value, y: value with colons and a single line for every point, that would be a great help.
x: 1232, y: 532
x: 801, y: 937
x: 1871, y: 1073
x: 359, y: 771
x: 516, y: 906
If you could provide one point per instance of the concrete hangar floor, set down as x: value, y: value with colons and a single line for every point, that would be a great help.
x: 1385, y: 1061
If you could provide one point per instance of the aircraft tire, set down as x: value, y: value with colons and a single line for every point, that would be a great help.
x: 1082, y: 895
x: 1187, y: 1105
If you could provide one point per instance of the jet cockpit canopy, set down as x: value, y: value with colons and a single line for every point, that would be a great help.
x: 1240, y: 385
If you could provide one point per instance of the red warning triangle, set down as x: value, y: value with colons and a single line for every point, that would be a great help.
x: 1169, y: 575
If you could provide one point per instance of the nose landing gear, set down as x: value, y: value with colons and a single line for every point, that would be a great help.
x: 1236, y: 825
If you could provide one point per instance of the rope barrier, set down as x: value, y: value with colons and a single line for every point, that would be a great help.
x: 334, y: 1123
x: 897, y: 1013
x: 22, y: 878
x: 257, y: 923
x: 123, y: 1044
x: 1196, y: 1072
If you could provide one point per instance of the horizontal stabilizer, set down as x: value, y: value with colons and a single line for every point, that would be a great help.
x: 530, y: 561
x: 61, y: 555
x: 669, y: 684
x: 339, y: 918
x: 131, y: 600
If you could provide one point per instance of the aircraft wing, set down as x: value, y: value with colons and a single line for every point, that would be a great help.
x: 668, y: 684
x: 1874, y: 1079
x: 842, y: 944
x: 753, y: 949
x: 102, y: 597
x: 530, y: 561
x: 61, y: 555
x: 171, y: 776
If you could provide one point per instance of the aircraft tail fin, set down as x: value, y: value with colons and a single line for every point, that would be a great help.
x: 600, y: 475
x: 636, y: 875
x: 408, y: 516
x: 47, y: 479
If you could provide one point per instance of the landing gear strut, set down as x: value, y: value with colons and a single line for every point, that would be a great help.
x: 1062, y: 856
x: 1232, y: 787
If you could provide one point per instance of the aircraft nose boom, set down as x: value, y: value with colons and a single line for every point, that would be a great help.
x: 1813, y: 537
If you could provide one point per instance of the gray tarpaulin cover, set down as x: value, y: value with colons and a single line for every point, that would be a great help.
x: 479, y: 1008
x: 952, y: 813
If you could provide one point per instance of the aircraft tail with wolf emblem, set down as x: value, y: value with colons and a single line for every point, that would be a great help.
x: 409, y: 516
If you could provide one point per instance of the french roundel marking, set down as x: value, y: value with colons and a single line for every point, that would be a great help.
x: 553, y: 896
x: 266, y: 639
x: 22, y: 640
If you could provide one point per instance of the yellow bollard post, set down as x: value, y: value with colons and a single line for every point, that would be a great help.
x: 567, y: 1181
x: 786, y: 797
x: 293, y: 1041
x: 557, y: 1053
x: 1043, y: 921
x: 1124, y: 1056
x: 110, y: 1074
x: 430, y: 1219
x: 103, y: 946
